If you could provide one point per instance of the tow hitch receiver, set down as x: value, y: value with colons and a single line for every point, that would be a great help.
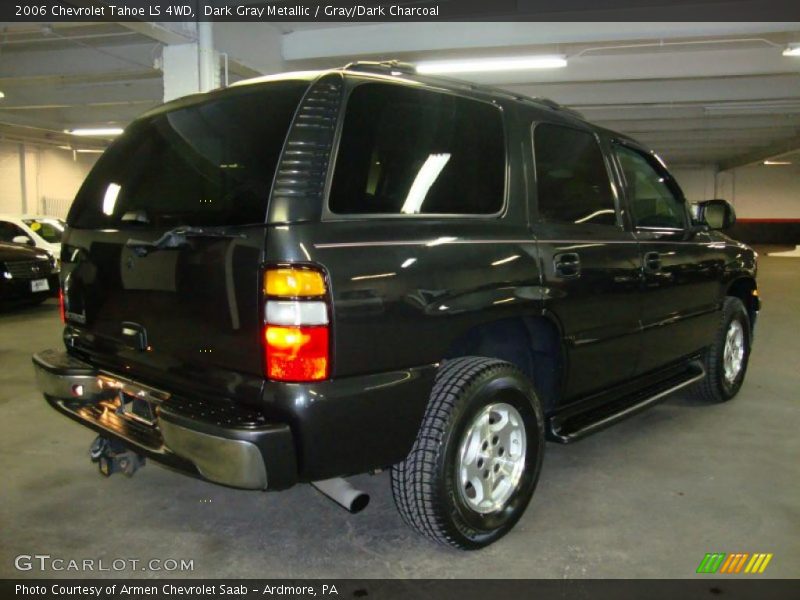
x: 112, y: 457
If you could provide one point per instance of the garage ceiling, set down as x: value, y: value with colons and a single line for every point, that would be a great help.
x: 698, y: 93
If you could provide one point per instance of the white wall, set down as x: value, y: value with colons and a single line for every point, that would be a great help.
x: 762, y: 191
x: 52, y: 178
x: 757, y: 192
x: 10, y: 193
x: 697, y: 183
x: 257, y: 45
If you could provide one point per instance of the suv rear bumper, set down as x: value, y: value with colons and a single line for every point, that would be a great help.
x: 223, y: 444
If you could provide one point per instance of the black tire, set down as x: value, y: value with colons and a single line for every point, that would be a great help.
x: 425, y: 485
x: 716, y: 387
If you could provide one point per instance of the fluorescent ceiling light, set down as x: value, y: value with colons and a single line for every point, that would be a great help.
x: 96, y: 131
x: 792, y: 50
x: 482, y: 65
x: 777, y: 162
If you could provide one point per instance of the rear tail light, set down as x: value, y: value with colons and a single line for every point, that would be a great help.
x: 61, y: 309
x: 296, y: 330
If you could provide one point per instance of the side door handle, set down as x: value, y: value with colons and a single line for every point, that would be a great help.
x: 567, y: 265
x: 652, y: 261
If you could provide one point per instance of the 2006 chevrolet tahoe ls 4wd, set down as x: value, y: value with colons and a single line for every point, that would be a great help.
x: 305, y: 277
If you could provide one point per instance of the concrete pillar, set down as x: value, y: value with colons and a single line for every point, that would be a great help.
x: 207, y: 58
x: 191, y: 68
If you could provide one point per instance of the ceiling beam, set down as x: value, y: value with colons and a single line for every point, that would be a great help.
x: 13, y: 132
x: 85, y: 95
x: 77, y: 60
x: 390, y: 39
x: 77, y: 78
x: 757, y: 88
x: 165, y: 33
x: 729, y: 135
x: 709, y: 122
x: 647, y: 112
x: 756, y: 156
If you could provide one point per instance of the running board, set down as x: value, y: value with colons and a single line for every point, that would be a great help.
x: 572, y: 425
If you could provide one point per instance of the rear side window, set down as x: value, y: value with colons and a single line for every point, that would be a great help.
x: 571, y: 178
x: 209, y: 164
x: 410, y: 151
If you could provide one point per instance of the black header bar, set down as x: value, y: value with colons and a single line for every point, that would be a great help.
x: 701, y: 588
x: 399, y: 11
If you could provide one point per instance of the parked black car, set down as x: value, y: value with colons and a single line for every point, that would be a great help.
x: 306, y: 277
x: 27, y: 275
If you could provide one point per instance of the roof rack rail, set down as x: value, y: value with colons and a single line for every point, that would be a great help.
x: 559, y: 107
x: 381, y: 66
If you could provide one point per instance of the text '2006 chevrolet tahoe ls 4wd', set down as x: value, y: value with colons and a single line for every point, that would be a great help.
x: 305, y: 277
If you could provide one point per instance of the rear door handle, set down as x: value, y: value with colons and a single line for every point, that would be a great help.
x: 652, y: 261
x: 567, y: 265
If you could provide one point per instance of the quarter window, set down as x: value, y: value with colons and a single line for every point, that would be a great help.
x: 406, y: 151
x: 571, y: 177
x: 654, y: 201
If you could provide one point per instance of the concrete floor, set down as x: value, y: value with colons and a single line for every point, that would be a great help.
x: 647, y: 498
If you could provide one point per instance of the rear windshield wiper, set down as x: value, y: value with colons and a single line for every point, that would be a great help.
x: 176, y: 238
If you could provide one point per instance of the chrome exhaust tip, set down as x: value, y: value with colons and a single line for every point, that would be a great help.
x: 344, y: 494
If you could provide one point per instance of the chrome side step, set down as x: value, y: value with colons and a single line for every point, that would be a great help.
x: 568, y: 428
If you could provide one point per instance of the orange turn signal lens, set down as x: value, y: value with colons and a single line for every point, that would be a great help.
x: 294, y: 283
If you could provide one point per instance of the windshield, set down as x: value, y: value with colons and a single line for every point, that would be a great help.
x: 206, y: 164
x: 50, y: 230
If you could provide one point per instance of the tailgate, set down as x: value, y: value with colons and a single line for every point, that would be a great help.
x: 188, y: 308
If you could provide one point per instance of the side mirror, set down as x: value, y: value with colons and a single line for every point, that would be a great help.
x: 23, y: 239
x: 717, y: 214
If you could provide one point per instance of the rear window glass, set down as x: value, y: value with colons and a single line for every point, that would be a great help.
x: 205, y: 164
x: 571, y: 178
x: 410, y: 151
